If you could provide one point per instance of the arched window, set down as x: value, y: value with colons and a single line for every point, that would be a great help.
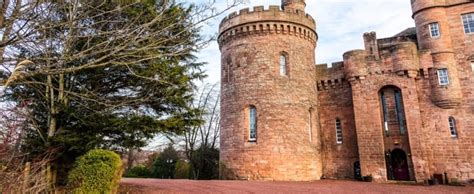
x: 252, y: 123
x: 338, y: 131
x: 283, y: 64
x: 472, y: 65
x: 452, y: 127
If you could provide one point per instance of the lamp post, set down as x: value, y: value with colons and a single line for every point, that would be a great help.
x: 169, y: 162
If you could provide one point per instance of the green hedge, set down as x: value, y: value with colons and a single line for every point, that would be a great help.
x: 98, y: 171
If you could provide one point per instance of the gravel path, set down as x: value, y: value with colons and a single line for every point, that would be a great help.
x: 326, y: 186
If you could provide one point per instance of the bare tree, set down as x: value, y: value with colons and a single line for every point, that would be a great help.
x: 19, y: 175
x: 206, y: 136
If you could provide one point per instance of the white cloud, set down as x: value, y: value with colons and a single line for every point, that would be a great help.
x: 340, y: 25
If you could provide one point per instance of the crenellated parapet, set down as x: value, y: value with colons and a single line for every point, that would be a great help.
x: 261, y: 21
x: 331, y: 77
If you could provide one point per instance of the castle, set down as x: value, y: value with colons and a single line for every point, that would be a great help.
x: 402, y: 109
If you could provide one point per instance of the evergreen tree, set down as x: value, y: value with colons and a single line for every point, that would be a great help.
x: 106, y: 74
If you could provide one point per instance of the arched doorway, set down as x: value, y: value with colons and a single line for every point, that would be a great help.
x: 399, y: 165
x: 395, y: 134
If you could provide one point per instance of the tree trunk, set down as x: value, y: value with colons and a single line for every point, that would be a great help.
x: 130, y: 159
x: 3, y: 9
x: 52, y: 109
x: 26, y: 177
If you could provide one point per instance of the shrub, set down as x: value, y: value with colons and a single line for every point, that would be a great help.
x: 163, y: 168
x: 181, y: 170
x: 139, y: 171
x: 205, y: 163
x: 98, y: 171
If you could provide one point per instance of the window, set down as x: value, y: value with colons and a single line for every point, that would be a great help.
x: 252, y: 123
x: 468, y: 21
x: 452, y: 127
x: 443, y: 77
x: 338, y: 131
x: 434, y: 30
x: 283, y: 61
x: 472, y: 65
x: 385, y: 113
x: 400, y: 111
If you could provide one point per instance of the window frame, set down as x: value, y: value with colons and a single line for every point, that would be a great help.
x: 339, y: 133
x: 453, y: 129
x: 469, y: 27
x: 443, y: 77
x: 252, y: 114
x: 434, y: 28
x: 283, y: 64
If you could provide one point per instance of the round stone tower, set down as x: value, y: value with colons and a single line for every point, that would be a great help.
x: 293, y: 5
x: 425, y: 14
x: 269, y: 112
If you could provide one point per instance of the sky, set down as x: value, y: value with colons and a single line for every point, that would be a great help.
x: 340, y: 26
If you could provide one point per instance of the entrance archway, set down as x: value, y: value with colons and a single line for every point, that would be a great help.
x: 395, y: 134
x: 399, y: 165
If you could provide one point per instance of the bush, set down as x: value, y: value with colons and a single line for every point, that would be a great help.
x: 181, y: 170
x: 205, y: 163
x: 98, y: 171
x: 164, y: 165
x: 139, y: 171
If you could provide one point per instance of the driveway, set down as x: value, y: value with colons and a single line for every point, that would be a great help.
x: 324, y: 186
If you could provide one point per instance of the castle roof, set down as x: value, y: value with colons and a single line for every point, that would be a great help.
x: 407, y: 32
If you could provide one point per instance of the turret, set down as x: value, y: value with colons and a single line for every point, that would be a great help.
x: 371, y: 46
x: 293, y: 5
x: 268, y: 94
x: 405, y: 57
x: 355, y: 66
x: 434, y: 34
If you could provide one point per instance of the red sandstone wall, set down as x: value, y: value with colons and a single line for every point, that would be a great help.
x: 453, y: 155
x: 250, y: 46
x: 250, y: 76
x: 335, y: 101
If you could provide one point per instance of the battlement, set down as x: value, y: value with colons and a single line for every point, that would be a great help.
x: 398, y: 58
x: 273, y: 13
x: 420, y: 5
x: 330, y: 77
x: 267, y: 21
x: 259, y: 13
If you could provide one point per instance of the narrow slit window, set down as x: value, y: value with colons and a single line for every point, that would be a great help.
x: 283, y: 62
x: 434, y: 30
x: 252, y: 123
x: 443, y: 77
x: 452, y: 127
x: 468, y: 22
x: 338, y: 131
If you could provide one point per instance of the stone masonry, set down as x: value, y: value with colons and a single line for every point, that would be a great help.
x: 383, y: 108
